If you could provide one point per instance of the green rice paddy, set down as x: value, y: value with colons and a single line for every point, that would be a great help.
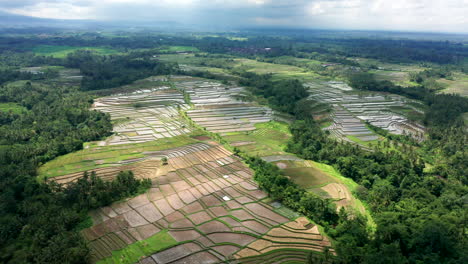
x: 179, y: 49
x: 136, y: 251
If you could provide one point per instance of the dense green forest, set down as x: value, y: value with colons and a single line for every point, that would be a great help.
x: 40, y: 223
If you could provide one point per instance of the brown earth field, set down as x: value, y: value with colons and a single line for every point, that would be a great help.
x: 208, y: 202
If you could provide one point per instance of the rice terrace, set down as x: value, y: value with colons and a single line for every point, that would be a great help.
x: 204, y: 205
x: 236, y: 132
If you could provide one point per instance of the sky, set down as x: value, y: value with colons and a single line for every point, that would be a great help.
x: 405, y: 15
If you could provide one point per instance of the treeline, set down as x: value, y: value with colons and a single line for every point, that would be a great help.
x: 99, y: 72
x: 91, y: 192
x: 102, y: 72
x: 442, y: 52
x: 45, y: 228
x: 9, y: 75
x: 282, y: 95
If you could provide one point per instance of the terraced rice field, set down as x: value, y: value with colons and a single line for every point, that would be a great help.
x: 144, y: 115
x: 351, y: 109
x: 208, y: 203
x: 218, y: 107
x: 203, y: 206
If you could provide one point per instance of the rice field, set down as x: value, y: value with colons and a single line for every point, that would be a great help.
x: 279, y: 71
x: 245, y: 125
x: 203, y: 206
x: 219, y: 108
x: 207, y: 201
x: 144, y: 115
x: 352, y: 109
x: 179, y: 49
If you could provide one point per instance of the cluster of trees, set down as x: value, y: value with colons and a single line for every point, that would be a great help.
x: 434, y: 73
x: 9, y: 75
x: 91, y: 192
x: 46, y: 223
x: 398, y: 193
x: 102, y: 72
x: 57, y: 121
x: 400, y: 50
x: 281, y: 94
x: 365, y: 167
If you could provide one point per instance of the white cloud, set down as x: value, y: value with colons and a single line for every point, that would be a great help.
x: 55, y: 10
x: 427, y: 15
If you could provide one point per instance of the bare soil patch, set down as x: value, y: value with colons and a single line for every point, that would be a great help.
x: 239, y: 239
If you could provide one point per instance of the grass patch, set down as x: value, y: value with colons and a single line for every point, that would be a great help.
x: 308, y: 177
x: 268, y: 139
x: 86, y: 223
x: 279, y: 71
x: 63, y: 51
x: 369, y: 143
x: 11, y: 107
x: 135, y: 251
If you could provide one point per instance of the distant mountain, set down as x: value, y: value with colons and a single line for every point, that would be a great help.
x: 13, y: 22
x: 8, y: 20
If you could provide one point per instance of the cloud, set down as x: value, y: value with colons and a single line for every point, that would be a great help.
x: 425, y: 15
